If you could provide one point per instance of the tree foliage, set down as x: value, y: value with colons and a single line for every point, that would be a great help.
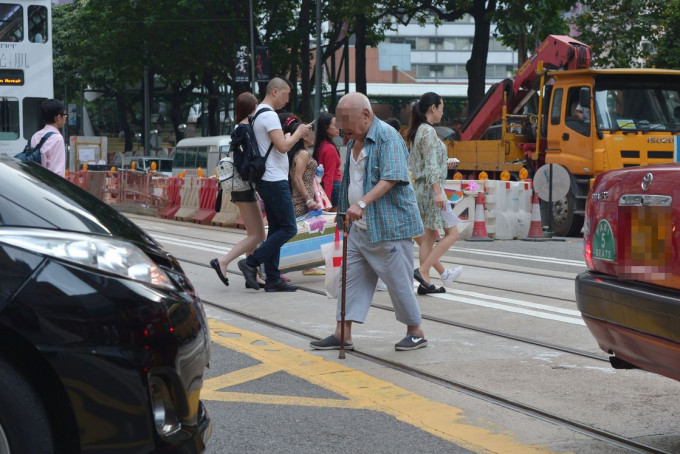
x: 524, y: 25
x: 190, y: 44
x: 668, y: 54
x: 621, y: 33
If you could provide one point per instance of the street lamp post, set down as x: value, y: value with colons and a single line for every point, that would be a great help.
x: 153, y: 141
x: 138, y: 137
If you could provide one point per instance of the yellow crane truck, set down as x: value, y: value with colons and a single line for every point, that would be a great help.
x: 559, y: 110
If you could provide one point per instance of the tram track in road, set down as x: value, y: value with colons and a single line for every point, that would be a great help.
x: 452, y: 323
x: 227, y: 245
x: 593, y: 432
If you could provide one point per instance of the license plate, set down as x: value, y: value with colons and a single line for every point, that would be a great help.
x: 647, y: 249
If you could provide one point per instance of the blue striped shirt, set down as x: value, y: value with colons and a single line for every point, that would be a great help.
x: 395, y: 215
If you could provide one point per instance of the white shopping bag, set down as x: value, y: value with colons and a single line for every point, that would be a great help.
x: 332, y: 254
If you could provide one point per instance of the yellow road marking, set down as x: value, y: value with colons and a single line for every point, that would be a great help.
x: 359, y: 390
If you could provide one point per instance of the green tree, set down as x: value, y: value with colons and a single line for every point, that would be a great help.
x: 524, y: 25
x: 621, y: 33
x: 668, y: 55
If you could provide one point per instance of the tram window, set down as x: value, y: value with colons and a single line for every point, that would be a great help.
x: 9, y: 119
x: 37, y: 24
x: 32, y: 116
x: 11, y: 23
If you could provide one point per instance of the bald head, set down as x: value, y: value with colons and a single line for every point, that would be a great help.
x: 277, y: 83
x: 354, y: 115
x: 278, y: 92
x: 355, y: 101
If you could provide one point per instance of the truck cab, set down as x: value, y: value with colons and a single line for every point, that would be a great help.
x: 607, y: 119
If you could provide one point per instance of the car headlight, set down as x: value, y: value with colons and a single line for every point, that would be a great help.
x: 102, y: 253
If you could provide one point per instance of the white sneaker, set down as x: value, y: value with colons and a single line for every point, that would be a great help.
x: 380, y: 286
x: 450, y: 275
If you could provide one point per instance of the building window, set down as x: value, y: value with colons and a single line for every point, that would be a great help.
x: 497, y: 71
x: 422, y: 44
x: 457, y: 43
x: 496, y: 46
x: 422, y: 71
x: 441, y: 71
x: 400, y: 40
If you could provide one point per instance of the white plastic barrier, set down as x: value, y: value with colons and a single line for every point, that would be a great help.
x: 465, y: 209
x: 228, y: 214
x: 189, y: 200
x: 507, y: 208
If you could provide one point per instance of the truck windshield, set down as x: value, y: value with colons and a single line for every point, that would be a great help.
x: 643, y: 103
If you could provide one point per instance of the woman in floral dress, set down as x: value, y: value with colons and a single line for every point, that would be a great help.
x: 428, y: 167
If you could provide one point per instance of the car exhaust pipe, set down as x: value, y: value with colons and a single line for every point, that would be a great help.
x: 618, y: 363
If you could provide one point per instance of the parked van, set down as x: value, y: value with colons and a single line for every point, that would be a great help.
x: 203, y: 152
x: 143, y: 164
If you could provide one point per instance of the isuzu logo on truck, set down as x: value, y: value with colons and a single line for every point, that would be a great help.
x: 659, y: 140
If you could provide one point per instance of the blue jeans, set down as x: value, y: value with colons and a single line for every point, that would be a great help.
x: 335, y: 195
x: 278, y: 205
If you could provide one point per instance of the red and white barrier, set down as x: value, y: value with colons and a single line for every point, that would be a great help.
x: 207, y: 194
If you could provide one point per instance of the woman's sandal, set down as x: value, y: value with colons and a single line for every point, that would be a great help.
x: 216, y: 266
x: 419, y: 278
x: 431, y: 289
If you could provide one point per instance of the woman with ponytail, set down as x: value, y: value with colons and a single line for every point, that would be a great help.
x: 428, y: 167
x: 327, y: 154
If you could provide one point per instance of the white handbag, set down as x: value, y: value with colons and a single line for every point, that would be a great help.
x: 229, y: 178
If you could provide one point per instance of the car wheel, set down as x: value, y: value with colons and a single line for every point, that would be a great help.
x: 24, y: 426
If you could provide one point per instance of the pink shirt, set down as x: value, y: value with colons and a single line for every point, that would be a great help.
x: 53, y: 151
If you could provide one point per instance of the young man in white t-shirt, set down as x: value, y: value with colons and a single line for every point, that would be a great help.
x: 274, y: 189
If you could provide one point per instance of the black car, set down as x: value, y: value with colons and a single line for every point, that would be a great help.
x: 103, y: 340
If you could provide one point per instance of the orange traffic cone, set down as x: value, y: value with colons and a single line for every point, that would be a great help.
x: 536, y: 227
x: 479, y: 227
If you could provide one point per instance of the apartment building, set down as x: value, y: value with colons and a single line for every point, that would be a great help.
x: 438, y: 58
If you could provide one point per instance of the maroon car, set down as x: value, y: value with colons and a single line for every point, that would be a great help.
x: 630, y: 295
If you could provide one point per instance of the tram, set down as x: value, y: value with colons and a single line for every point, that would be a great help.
x: 26, y: 72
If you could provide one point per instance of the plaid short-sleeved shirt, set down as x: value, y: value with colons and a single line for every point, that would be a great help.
x: 395, y: 215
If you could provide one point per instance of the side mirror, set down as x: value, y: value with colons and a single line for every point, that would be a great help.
x: 584, y: 97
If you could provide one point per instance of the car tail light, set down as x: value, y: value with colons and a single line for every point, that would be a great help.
x: 587, y: 238
x: 588, y: 251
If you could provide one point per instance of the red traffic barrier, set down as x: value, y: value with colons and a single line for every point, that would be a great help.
x: 174, y: 199
x: 207, y: 193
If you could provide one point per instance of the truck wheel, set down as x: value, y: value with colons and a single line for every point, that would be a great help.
x: 565, y: 222
x: 24, y: 426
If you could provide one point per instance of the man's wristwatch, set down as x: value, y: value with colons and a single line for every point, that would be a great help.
x: 361, y: 204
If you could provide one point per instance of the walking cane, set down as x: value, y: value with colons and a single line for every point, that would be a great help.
x: 345, y: 234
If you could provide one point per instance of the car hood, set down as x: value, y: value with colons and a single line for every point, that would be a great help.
x: 34, y: 197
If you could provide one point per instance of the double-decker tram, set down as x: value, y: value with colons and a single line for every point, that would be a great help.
x: 25, y: 69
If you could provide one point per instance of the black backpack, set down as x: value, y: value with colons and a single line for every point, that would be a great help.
x: 33, y: 154
x: 248, y: 162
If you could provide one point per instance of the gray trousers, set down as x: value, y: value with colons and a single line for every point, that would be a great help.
x: 391, y: 261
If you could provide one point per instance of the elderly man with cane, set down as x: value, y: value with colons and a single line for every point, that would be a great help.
x: 378, y: 200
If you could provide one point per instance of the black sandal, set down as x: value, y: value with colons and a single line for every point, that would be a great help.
x: 419, y: 278
x: 431, y: 289
x: 216, y: 266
